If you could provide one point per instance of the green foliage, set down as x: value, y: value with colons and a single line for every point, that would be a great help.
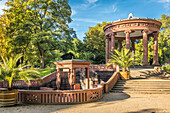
x: 44, y: 72
x: 123, y: 59
x: 36, y: 28
x: 95, y: 42
x: 9, y: 71
x: 164, y: 39
x: 166, y: 68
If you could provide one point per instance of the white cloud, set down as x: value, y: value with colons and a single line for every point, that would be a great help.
x: 88, y: 4
x: 2, y: 6
x: 86, y: 20
x: 73, y: 12
x: 92, y: 1
x: 114, y: 8
x: 164, y: 1
x: 110, y: 9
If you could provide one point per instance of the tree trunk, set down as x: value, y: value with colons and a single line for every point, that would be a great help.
x: 42, y: 59
x: 41, y: 53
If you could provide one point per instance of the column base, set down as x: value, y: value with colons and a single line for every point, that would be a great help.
x: 145, y: 64
x: 156, y: 64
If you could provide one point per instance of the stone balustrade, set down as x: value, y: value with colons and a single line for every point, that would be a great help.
x: 59, y: 96
x: 102, y: 67
x: 111, y: 82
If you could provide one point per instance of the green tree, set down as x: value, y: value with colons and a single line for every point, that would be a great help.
x: 76, y: 48
x: 95, y: 42
x: 164, y: 39
x: 40, y: 24
x: 5, y: 46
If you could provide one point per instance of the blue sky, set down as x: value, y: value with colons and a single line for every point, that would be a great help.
x: 87, y: 13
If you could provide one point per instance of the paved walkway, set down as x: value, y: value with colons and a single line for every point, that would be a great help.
x: 111, y: 103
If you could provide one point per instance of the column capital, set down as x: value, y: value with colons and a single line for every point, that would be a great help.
x: 133, y: 40
x: 113, y: 34
x: 155, y: 34
x: 120, y: 40
x: 107, y: 36
x: 127, y: 31
x: 145, y: 31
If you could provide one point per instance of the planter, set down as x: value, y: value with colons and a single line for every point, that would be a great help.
x: 8, y: 98
x: 125, y: 75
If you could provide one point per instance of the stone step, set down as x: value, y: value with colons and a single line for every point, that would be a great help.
x: 151, y: 82
x: 144, y: 80
x: 137, y: 89
x: 142, y: 86
x: 141, y: 92
x: 162, y: 86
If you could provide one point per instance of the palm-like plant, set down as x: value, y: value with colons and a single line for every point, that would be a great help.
x: 9, y: 71
x: 123, y: 59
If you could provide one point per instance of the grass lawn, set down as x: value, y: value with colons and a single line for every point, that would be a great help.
x: 44, y: 72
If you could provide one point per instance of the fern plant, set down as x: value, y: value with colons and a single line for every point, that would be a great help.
x: 123, y: 59
x: 9, y: 71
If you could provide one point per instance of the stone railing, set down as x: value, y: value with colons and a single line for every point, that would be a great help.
x: 49, y: 77
x: 21, y: 83
x: 59, y: 96
x: 111, y: 82
x: 102, y: 67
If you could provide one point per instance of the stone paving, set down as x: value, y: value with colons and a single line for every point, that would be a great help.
x: 111, y: 103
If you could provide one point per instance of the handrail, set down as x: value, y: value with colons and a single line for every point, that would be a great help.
x: 60, y: 96
x: 35, y: 82
x: 102, y: 67
x: 111, y: 82
x: 49, y: 77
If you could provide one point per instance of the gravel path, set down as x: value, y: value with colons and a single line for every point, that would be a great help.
x: 111, y: 103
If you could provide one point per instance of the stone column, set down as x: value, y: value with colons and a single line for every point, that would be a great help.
x: 113, y: 41
x: 74, y: 75
x: 71, y: 80
x: 155, y: 49
x: 58, y: 81
x: 120, y: 44
x: 133, y: 46
x: 107, y: 48
x: 87, y: 76
x: 145, y: 47
x: 128, y: 39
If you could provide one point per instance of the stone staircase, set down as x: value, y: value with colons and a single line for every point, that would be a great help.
x: 150, y: 86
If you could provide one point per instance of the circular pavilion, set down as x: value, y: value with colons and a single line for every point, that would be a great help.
x: 131, y: 29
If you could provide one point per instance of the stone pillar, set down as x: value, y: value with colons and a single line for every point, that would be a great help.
x: 133, y: 46
x: 107, y: 48
x: 58, y: 81
x: 120, y: 44
x: 71, y: 80
x: 155, y: 49
x: 113, y: 41
x: 128, y: 39
x: 145, y: 47
x: 74, y: 75
x: 87, y: 76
